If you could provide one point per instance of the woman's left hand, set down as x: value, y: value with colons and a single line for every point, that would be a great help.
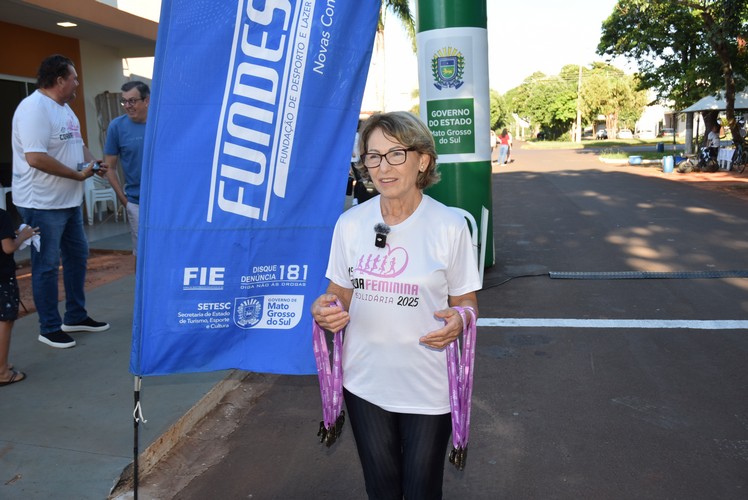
x: 441, y: 338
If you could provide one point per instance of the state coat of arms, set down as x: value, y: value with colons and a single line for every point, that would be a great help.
x: 447, y: 67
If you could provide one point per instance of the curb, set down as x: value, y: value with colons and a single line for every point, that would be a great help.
x: 615, y: 161
x: 149, y: 458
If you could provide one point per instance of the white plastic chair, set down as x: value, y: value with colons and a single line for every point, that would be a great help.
x: 3, y: 192
x: 478, y: 236
x: 99, y: 190
x: 724, y: 158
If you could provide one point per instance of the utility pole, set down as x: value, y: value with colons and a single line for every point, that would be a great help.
x: 579, y: 106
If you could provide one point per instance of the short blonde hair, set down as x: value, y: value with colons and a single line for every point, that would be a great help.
x: 408, y: 130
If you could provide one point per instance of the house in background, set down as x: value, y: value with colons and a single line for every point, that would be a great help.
x: 658, y: 117
x: 102, y: 37
x: 651, y: 122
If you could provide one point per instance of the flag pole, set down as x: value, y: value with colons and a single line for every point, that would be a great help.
x: 136, y: 416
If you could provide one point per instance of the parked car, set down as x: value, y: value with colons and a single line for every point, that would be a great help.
x: 602, y: 134
x: 666, y: 132
x: 625, y: 134
x: 644, y: 134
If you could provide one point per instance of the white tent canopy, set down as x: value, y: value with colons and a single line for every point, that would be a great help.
x: 718, y: 103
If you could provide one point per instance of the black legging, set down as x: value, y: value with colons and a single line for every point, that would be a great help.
x: 402, y: 454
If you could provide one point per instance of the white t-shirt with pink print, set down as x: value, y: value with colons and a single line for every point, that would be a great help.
x: 396, y: 291
x: 40, y: 125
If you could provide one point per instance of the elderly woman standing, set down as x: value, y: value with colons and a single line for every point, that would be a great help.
x: 398, y: 264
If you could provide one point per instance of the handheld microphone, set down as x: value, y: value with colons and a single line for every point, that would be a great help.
x: 382, y: 231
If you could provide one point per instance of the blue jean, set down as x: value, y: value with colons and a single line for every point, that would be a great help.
x: 62, y: 237
x: 503, y: 152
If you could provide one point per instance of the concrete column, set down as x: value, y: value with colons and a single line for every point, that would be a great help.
x: 453, y: 82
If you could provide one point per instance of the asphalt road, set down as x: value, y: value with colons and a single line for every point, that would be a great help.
x: 615, y: 410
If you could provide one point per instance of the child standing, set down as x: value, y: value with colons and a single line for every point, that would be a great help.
x: 9, y: 296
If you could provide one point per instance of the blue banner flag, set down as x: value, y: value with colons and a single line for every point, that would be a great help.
x: 248, y: 144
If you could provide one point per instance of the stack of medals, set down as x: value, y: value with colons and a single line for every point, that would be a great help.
x: 330, y: 383
x: 328, y: 435
x: 460, y: 370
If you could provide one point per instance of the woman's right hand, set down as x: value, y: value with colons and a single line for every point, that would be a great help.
x: 328, y: 314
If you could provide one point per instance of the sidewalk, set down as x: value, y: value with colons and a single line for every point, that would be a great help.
x: 67, y: 431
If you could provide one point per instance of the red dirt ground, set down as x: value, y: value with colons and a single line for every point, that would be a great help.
x: 727, y: 182
x: 104, y: 266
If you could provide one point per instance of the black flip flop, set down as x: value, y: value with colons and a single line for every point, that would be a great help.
x: 14, y: 378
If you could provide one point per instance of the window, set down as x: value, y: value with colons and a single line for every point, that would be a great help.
x: 12, y: 92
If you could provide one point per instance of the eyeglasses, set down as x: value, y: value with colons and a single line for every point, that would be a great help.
x: 394, y: 157
x: 129, y: 102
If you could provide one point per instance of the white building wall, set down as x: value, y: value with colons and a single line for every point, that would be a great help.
x: 148, y: 9
x: 140, y: 68
x: 650, y: 123
x: 101, y: 71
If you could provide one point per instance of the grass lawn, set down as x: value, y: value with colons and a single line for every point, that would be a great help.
x: 611, y: 149
x: 607, y: 145
x: 646, y: 155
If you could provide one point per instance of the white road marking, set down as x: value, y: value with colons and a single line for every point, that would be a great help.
x: 650, y: 324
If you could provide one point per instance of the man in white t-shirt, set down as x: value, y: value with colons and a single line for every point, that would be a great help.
x: 48, y: 191
x: 713, y: 141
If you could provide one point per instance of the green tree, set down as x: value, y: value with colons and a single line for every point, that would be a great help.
x: 548, y: 102
x: 683, y: 48
x: 499, y: 112
x: 518, y: 97
x: 401, y: 10
x: 608, y: 91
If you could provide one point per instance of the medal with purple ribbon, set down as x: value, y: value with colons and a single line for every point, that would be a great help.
x: 460, y: 371
x: 330, y: 383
